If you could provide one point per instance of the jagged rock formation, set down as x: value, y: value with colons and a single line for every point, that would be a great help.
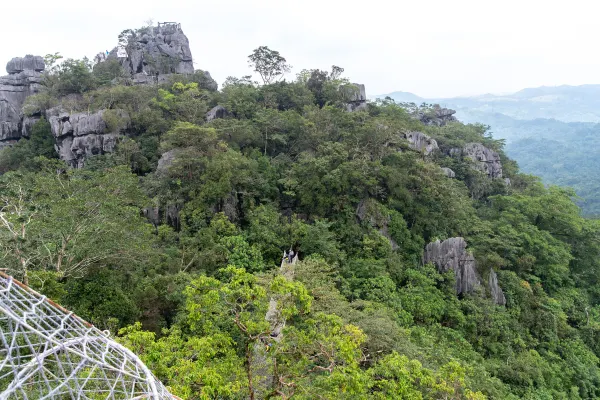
x: 165, y: 161
x: 153, y: 54
x: 23, y: 79
x: 163, y: 49
x: 448, y: 172
x: 451, y: 254
x: 421, y: 142
x: 486, y: 160
x: 82, y: 135
x: 436, y: 116
x: 495, y: 291
x: 216, y: 113
x: 370, y: 212
x: 356, y: 96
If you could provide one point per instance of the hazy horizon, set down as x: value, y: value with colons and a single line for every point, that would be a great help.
x: 435, y: 49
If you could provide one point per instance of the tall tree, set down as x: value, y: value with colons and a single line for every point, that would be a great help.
x: 269, y: 64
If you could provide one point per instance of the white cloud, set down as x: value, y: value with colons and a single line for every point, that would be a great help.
x: 431, y: 48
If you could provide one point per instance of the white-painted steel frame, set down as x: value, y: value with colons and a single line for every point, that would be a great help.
x: 47, y: 352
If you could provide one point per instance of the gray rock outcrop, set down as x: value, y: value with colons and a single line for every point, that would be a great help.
x: 23, y: 79
x: 216, y: 113
x: 436, y: 116
x: 355, y: 96
x: 165, y: 161
x: 495, y: 291
x: 370, y: 212
x: 452, y: 254
x: 27, y: 63
x: 486, y: 160
x: 163, y: 49
x: 421, y: 142
x: 80, y: 135
x: 448, y: 172
x: 153, y: 52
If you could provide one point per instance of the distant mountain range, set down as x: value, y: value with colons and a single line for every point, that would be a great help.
x: 563, y: 103
x: 552, y: 132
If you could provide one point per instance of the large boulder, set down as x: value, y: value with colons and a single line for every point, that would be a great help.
x: 452, y: 254
x: 436, y: 115
x: 23, y: 79
x: 448, y: 172
x: 421, y: 142
x: 355, y: 96
x: 495, y: 291
x: 27, y: 63
x: 79, y: 136
x: 216, y: 112
x: 162, y: 49
x: 486, y: 160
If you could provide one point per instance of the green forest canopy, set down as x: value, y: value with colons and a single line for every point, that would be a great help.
x: 289, y: 166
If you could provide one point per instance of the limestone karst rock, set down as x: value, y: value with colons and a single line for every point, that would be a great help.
x: 160, y: 49
x: 436, y: 116
x: 356, y: 97
x: 486, y: 160
x: 165, y: 161
x: 23, y: 79
x: 421, y: 142
x: 495, y: 291
x: 448, y: 172
x: 216, y: 113
x: 27, y: 63
x: 451, y: 254
x: 370, y: 212
x: 82, y: 135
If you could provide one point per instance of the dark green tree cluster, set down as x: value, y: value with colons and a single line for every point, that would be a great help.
x: 175, y: 240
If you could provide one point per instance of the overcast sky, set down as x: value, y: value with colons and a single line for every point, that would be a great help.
x: 433, y: 48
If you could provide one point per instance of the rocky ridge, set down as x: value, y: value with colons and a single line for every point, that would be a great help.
x: 80, y: 135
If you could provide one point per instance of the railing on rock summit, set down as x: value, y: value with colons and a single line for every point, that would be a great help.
x: 47, y: 352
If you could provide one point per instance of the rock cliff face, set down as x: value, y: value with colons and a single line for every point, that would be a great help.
x: 451, y: 254
x: 436, y: 116
x: 23, y: 79
x: 216, y: 113
x: 81, y: 135
x: 487, y: 160
x: 162, y: 49
x: 356, y: 95
x: 421, y: 142
x: 495, y: 290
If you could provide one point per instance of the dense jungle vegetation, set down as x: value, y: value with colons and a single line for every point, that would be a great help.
x: 288, y: 166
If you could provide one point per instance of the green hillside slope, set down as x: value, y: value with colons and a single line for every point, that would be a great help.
x: 175, y: 239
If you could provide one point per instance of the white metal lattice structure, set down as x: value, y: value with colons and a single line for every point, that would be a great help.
x: 47, y: 352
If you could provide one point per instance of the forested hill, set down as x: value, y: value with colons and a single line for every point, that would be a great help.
x: 550, y: 131
x: 429, y: 266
